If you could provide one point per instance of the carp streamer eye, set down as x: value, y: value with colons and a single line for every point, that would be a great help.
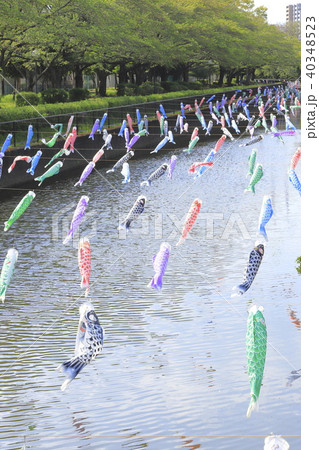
x: 92, y: 316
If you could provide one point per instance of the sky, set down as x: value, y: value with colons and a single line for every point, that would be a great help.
x: 276, y: 9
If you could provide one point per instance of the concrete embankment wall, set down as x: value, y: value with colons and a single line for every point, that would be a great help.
x: 85, y: 148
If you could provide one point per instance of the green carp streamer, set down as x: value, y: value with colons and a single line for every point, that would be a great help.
x: 7, y: 272
x: 256, y: 346
x: 19, y: 209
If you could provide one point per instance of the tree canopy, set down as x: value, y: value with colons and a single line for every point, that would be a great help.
x: 141, y: 40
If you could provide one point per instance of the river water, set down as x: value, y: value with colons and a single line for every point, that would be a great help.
x: 172, y: 374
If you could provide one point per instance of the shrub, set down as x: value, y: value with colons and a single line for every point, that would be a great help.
x: 148, y: 87
x: 173, y: 86
x: 195, y: 84
x: 77, y: 94
x: 53, y: 95
x: 25, y: 98
x: 6, y: 101
x: 126, y: 89
x: 130, y: 90
x: 111, y: 92
x: 145, y: 88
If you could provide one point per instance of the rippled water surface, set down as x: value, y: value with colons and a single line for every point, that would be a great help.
x: 173, y: 372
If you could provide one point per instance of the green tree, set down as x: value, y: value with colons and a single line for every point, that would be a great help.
x: 138, y: 41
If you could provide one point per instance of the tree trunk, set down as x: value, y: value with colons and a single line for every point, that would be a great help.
x: 177, y: 73
x: 247, y: 78
x: 78, y: 78
x: 249, y: 75
x: 241, y: 77
x: 229, y: 78
x: 162, y: 72
x: 29, y: 80
x: 101, y: 81
x: 122, y: 74
x: 185, y: 74
x: 139, y: 70
x: 222, y: 72
x: 253, y: 73
x: 55, y: 77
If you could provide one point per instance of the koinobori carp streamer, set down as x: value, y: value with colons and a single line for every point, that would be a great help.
x: 34, y: 162
x: 7, y: 271
x: 89, y: 343
x: 190, y: 219
x: 265, y: 215
x: 155, y: 175
x: 251, y: 162
x: 77, y: 217
x: 135, y: 211
x: 86, y: 172
x: 84, y: 261
x: 126, y: 172
x: 255, y: 258
x: 27, y: 159
x: 256, y: 347
x: 256, y: 176
x: 160, y: 261
x: 19, y: 209
x: 55, y: 169
x: 121, y: 161
x: 275, y: 442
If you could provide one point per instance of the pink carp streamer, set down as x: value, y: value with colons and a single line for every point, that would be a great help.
x: 194, y: 166
x: 190, y: 219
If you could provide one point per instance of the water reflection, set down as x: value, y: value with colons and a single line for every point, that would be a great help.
x: 79, y: 422
x: 294, y: 375
x: 171, y: 360
x: 189, y: 443
x: 294, y: 319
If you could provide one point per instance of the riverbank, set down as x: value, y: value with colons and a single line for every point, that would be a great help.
x: 9, y: 113
x: 85, y: 148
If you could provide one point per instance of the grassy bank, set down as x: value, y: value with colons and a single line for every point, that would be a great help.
x: 15, y: 119
x: 12, y: 113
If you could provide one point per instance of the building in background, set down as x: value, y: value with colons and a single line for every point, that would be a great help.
x: 293, y: 13
x: 293, y: 16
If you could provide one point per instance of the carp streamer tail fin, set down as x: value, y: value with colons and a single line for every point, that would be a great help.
x: 181, y: 240
x: 3, y: 294
x: 252, y: 406
x: 84, y: 282
x: 71, y: 368
x: 262, y: 231
x: 156, y: 282
x: 39, y: 179
x: 250, y: 189
x: 125, y: 225
x: 240, y: 289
